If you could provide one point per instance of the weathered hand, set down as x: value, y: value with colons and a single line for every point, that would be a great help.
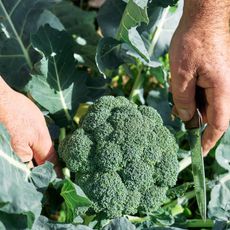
x: 26, y: 125
x: 200, y: 56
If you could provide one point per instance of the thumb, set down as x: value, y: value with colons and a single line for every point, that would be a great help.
x: 183, y: 88
x: 24, y: 152
x: 43, y: 149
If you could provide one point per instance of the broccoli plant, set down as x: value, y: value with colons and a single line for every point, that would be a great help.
x: 123, y: 157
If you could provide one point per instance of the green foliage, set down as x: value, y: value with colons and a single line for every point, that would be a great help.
x: 76, y: 201
x: 19, y: 198
x: 23, y: 192
x: 16, y: 53
x: 80, y: 24
x: 136, y: 30
x: 48, y: 49
x: 165, y: 3
x: 131, y: 157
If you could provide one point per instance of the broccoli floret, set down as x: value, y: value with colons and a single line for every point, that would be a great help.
x: 133, y: 202
x: 153, y: 198
x: 124, y: 158
x: 107, y: 192
x: 137, y: 175
x: 76, y: 151
x: 109, y: 156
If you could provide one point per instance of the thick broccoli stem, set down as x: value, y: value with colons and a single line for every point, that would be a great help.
x: 198, y: 223
x: 181, y: 200
x: 137, y: 219
x: 62, y: 134
x: 183, y: 164
x: 137, y: 85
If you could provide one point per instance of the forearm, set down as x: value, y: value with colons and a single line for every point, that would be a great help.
x: 207, y: 14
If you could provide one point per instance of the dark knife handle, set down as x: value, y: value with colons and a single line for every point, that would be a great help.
x: 195, y: 122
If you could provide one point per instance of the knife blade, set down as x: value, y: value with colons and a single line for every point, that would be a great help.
x: 194, y: 127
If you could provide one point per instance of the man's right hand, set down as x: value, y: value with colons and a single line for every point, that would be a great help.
x: 200, y: 56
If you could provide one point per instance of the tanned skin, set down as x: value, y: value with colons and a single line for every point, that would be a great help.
x: 200, y: 57
x: 30, y: 137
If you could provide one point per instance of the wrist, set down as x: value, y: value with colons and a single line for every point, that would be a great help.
x: 207, y: 15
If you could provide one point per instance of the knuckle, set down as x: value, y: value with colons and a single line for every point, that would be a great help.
x: 184, y: 99
x: 219, y: 126
x: 182, y: 74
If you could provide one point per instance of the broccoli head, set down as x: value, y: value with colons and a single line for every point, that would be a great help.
x: 124, y: 158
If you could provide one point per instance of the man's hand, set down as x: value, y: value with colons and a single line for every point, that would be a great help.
x: 200, y: 56
x: 26, y: 125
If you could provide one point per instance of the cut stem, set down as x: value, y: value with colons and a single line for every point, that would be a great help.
x: 183, y: 164
x: 137, y: 219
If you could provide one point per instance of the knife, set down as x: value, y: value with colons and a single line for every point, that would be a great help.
x: 194, y: 128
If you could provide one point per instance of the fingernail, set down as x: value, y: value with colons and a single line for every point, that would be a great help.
x: 184, y: 114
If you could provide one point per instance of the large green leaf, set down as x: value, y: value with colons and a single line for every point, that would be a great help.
x: 42, y: 176
x: 75, y: 200
x: 81, y: 25
x: 156, y: 35
x: 218, y: 207
x: 20, y: 202
x: 134, y: 14
x: 164, y: 29
x: 109, y: 17
x: 120, y: 224
x: 158, y: 99
x: 44, y: 223
x: 57, y: 85
x: 108, y: 56
x: 18, y: 19
x: 223, y: 150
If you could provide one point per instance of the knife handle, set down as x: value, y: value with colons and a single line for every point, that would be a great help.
x: 195, y: 122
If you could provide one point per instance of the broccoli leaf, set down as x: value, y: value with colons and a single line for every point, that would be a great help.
x: 18, y: 19
x: 44, y: 223
x: 42, y: 175
x: 155, y: 35
x: 75, y: 199
x: 218, y: 207
x: 81, y: 25
x: 107, y: 56
x: 135, y: 13
x: 129, y: 19
x: 120, y: 223
x: 57, y: 85
x: 20, y: 202
x: 222, y: 151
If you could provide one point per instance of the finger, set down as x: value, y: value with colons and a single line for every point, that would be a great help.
x: 30, y: 165
x: 24, y: 152
x: 210, y: 137
x: 43, y: 148
x: 217, y: 118
x: 183, y: 86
